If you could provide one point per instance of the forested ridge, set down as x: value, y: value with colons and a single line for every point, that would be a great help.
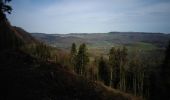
x: 33, y: 70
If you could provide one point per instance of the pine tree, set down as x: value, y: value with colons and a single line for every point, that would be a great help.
x: 104, y: 71
x: 82, y: 59
x: 118, y: 60
x: 123, y: 63
x: 115, y: 66
x: 4, y: 7
x: 73, y: 54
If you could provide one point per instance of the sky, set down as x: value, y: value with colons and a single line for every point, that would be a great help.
x: 91, y: 16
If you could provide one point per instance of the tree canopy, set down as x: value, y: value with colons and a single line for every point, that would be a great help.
x: 4, y: 8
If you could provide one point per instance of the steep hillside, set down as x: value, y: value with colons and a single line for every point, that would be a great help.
x: 13, y: 37
x: 9, y: 38
x: 25, y: 35
x: 24, y: 77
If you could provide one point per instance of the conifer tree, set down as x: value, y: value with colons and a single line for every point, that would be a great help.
x: 82, y: 59
x: 73, y: 54
x: 113, y: 60
x: 123, y: 63
x: 4, y: 7
x: 104, y: 71
x: 118, y: 60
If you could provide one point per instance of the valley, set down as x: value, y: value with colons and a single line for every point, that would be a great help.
x: 100, y: 43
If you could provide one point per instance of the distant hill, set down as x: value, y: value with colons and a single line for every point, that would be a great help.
x: 102, y: 42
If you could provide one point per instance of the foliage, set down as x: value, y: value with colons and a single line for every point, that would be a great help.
x: 104, y: 71
x: 73, y: 54
x: 39, y: 50
x: 82, y: 59
x: 135, y: 76
x: 92, y: 71
x: 4, y: 7
x: 118, y: 60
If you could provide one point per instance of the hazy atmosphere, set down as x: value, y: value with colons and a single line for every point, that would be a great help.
x: 89, y: 16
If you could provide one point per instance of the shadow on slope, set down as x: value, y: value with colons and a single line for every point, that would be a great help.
x: 24, y: 77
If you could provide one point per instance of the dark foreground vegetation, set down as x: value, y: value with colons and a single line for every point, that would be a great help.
x: 32, y: 70
x: 26, y: 78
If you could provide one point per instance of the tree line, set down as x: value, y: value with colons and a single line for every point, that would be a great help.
x: 116, y: 71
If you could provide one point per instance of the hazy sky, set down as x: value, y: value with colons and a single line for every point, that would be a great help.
x: 69, y: 16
